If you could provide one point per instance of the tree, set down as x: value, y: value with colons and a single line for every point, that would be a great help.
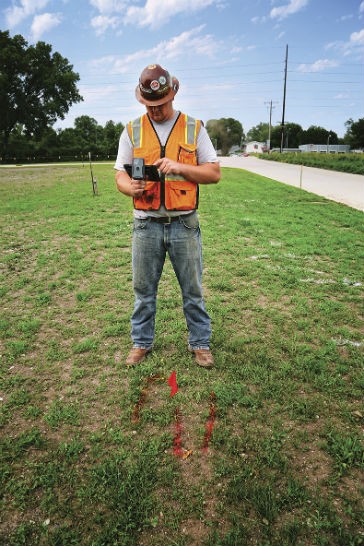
x: 47, y: 146
x: 19, y: 145
x: 318, y: 135
x: 354, y: 135
x: 292, y: 135
x: 259, y: 133
x: 89, y: 134
x: 69, y: 143
x: 112, y: 132
x: 224, y: 133
x: 36, y: 87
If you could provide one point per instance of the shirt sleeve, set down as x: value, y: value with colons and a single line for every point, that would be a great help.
x: 206, y: 153
x: 125, y: 151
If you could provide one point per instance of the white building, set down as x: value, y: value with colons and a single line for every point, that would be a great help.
x: 324, y: 148
x: 255, y: 147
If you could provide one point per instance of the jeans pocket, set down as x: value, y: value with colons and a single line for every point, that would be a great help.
x: 190, y: 221
x: 139, y: 225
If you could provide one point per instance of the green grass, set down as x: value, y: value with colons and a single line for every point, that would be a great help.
x: 284, y: 286
x: 349, y: 163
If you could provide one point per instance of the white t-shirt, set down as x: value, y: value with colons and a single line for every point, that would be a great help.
x: 205, y: 154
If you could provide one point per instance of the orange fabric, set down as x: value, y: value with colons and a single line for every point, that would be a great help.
x: 173, y: 192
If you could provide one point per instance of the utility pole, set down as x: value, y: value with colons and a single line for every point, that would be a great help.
x: 284, y: 99
x: 270, y: 121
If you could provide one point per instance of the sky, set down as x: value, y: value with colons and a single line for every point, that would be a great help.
x: 228, y: 55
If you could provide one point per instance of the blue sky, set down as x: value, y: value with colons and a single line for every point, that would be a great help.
x: 228, y: 55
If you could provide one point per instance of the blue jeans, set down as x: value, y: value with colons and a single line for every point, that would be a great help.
x: 181, y: 239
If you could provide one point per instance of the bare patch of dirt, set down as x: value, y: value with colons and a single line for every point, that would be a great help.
x: 311, y: 463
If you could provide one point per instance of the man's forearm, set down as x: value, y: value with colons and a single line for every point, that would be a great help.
x: 207, y: 173
x: 129, y: 186
x: 122, y: 180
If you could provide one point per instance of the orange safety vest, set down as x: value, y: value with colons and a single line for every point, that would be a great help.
x: 174, y: 192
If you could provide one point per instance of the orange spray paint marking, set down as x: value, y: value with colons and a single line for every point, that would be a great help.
x: 209, y: 423
x: 172, y: 382
x: 178, y: 450
x: 135, y: 418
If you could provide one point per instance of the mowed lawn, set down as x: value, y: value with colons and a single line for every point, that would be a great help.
x: 271, y: 439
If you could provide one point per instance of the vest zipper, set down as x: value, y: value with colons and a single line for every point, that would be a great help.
x: 163, y: 154
x: 162, y: 176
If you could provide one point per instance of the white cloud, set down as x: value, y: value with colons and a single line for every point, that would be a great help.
x: 109, y: 6
x: 102, y: 22
x: 281, y: 12
x: 200, y: 45
x: 256, y: 20
x: 176, y: 47
x: 354, y: 46
x: 317, y: 66
x: 18, y: 12
x: 361, y: 7
x: 44, y: 23
x: 346, y: 17
x: 155, y: 13
x: 357, y: 38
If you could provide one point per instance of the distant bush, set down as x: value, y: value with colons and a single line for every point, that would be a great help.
x: 348, y: 163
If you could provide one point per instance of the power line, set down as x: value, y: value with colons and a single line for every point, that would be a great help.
x: 270, y: 120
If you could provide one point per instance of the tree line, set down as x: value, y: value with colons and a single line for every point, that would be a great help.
x: 227, y: 132
x: 87, y: 136
x: 70, y: 144
x: 294, y: 135
x: 37, y: 87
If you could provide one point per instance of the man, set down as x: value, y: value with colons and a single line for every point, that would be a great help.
x: 165, y: 218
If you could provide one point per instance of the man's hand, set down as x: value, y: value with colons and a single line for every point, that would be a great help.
x: 137, y: 187
x: 206, y: 173
x: 168, y: 166
x: 129, y: 186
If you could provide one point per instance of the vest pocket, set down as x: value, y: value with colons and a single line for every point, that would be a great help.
x: 150, y: 200
x: 187, y: 154
x: 180, y: 195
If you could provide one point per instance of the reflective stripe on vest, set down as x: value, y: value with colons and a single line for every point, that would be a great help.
x: 136, y: 132
x: 191, y: 128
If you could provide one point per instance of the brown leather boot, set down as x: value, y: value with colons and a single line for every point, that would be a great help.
x: 136, y: 355
x: 203, y: 357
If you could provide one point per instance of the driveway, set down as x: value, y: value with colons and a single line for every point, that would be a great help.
x: 341, y: 187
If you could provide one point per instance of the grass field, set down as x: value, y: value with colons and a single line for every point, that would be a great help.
x: 349, y: 163
x: 88, y: 445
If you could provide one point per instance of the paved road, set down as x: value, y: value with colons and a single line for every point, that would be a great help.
x: 341, y: 187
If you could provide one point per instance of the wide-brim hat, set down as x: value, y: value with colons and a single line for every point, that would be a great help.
x: 156, y: 86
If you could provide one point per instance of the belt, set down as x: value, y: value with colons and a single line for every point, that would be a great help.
x: 168, y: 219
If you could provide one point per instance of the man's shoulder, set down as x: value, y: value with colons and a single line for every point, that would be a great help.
x: 137, y: 119
x: 191, y: 118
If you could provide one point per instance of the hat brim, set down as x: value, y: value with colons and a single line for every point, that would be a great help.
x: 166, y: 98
